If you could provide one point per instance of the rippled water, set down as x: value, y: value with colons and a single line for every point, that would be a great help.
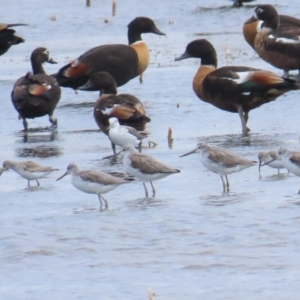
x: 190, y: 242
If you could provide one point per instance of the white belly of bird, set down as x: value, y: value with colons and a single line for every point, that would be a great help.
x: 138, y: 174
x: 219, y: 168
x: 91, y: 187
x: 122, y: 138
x: 31, y: 175
x: 293, y: 168
x: 276, y: 164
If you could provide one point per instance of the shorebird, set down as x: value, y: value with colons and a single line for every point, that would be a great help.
x: 28, y: 170
x: 145, y: 167
x: 93, y: 182
x: 124, y: 135
x: 290, y: 159
x: 267, y: 157
x: 221, y: 161
x: 2, y: 170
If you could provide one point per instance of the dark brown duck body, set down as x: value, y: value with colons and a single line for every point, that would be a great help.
x: 123, y: 62
x: 8, y: 37
x: 278, y: 46
x: 252, y: 26
x: 235, y: 89
x: 36, y: 95
x: 128, y: 109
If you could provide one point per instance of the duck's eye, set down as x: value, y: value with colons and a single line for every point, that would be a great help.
x: 259, y: 10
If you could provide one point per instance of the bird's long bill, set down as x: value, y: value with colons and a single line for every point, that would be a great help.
x: 182, y: 56
x: 268, y: 162
x: 186, y: 154
x: 157, y: 31
x: 62, y: 176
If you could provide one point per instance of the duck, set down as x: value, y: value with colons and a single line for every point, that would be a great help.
x: 239, y: 3
x: 123, y: 62
x: 252, y: 26
x: 235, y: 89
x: 128, y: 109
x: 278, y: 46
x: 8, y: 37
x: 36, y: 94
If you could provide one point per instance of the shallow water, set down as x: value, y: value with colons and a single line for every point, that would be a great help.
x: 191, y: 241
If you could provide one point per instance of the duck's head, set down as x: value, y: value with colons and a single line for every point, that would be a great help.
x: 144, y: 25
x: 42, y: 55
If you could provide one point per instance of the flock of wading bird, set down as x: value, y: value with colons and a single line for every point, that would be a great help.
x: 122, y: 118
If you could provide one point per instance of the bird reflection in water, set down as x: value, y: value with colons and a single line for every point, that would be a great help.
x: 39, y: 151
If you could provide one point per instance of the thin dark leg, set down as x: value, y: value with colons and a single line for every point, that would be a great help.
x: 28, y: 183
x: 100, y: 202
x: 245, y: 129
x: 140, y: 146
x: 224, y: 189
x: 38, y: 184
x: 113, y: 146
x: 105, y: 201
x: 153, y: 189
x: 227, y: 183
x: 25, y: 124
x: 146, y: 191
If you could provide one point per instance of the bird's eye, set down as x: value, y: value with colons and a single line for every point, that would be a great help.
x: 259, y: 10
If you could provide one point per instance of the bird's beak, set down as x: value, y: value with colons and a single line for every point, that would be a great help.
x: 51, y: 61
x: 251, y: 20
x: 62, y: 176
x: 182, y: 56
x: 86, y: 86
x: 269, y: 162
x: 186, y: 154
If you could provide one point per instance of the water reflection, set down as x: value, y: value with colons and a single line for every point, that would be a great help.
x: 77, y: 105
x: 39, y: 151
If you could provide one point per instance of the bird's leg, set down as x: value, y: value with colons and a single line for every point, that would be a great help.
x: 28, y: 183
x: 243, y: 117
x: 227, y: 183
x: 278, y: 171
x: 153, y: 189
x: 140, y: 146
x: 224, y: 189
x: 114, y: 155
x: 113, y: 146
x: 141, y: 78
x: 105, y: 201
x: 38, y: 184
x: 100, y: 202
x: 146, y: 191
x: 25, y: 124
x: 53, y: 121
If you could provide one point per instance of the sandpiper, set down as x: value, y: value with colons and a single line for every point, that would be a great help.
x: 266, y: 157
x: 93, y: 182
x: 290, y: 160
x: 28, y: 170
x: 122, y: 135
x: 221, y: 161
x: 2, y: 170
x: 145, y: 167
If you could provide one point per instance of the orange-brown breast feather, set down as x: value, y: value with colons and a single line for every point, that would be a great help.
x: 265, y: 77
x: 202, y: 72
x: 250, y: 31
x: 37, y: 89
x: 143, y: 56
x: 122, y: 112
x: 76, y: 70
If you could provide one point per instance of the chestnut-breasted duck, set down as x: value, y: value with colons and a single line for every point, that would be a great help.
x: 235, y: 89
x: 36, y: 95
x: 123, y: 62
x: 128, y: 109
x: 278, y: 46
x: 8, y: 37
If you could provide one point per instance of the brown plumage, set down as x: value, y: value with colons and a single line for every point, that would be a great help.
x: 123, y: 62
x: 234, y: 89
x: 36, y: 95
x: 252, y: 26
x: 8, y: 37
x: 128, y: 109
x: 278, y: 46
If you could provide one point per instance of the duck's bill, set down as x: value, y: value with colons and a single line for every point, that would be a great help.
x: 182, y: 56
x: 251, y: 20
x: 51, y: 61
